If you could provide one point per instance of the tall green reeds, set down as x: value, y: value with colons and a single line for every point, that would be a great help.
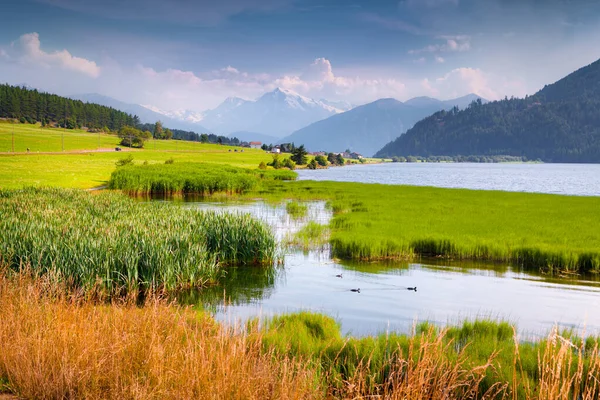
x: 196, y: 178
x: 111, y: 243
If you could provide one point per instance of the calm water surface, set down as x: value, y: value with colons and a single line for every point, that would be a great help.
x: 569, y: 179
x: 446, y: 293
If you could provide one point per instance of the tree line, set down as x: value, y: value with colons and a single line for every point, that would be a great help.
x: 29, y: 105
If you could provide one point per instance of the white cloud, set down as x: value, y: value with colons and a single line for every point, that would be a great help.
x: 28, y: 50
x: 456, y: 43
x: 461, y: 81
x: 174, y: 89
x: 439, y: 60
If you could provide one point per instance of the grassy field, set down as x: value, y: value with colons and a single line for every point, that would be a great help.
x: 110, y: 244
x: 55, y: 344
x: 77, y: 169
x: 39, y: 139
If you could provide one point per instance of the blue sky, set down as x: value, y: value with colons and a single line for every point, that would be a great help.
x: 187, y: 54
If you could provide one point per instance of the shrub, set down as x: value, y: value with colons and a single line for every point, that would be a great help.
x: 170, y: 161
x: 321, y: 160
x: 125, y: 161
x: 262, y: 165
x: 288, y: 163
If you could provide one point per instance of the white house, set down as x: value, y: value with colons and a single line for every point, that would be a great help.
x: 276, y: 150
x: 255, y: 145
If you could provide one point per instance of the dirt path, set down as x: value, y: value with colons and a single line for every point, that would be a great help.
x: 105, y: 150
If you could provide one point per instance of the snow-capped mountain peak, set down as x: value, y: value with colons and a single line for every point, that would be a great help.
x: 183, y: 115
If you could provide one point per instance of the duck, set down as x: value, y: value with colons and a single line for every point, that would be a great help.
x: 412, y: 288
x: 338, y: 276
x: 355, y: 290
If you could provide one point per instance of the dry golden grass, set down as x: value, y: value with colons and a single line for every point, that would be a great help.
x: 56, y: 346
x: 64, y: 349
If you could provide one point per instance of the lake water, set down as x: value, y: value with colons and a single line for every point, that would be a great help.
x: 446, y: 293
x: 568, y: 179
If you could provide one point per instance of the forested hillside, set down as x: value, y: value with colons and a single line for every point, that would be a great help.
x: 31, y: 106
x: 560, y: 123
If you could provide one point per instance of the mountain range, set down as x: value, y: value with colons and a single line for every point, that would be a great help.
x: 559, y: 123
x: 145, y: 114
x: 365, y: 129
x: 277, y: 113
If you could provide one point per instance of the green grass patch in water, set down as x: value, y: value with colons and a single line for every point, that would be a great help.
x: 188, y: 178
x: 296, y: 209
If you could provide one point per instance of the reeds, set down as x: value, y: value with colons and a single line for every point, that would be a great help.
x: 64, y: 347
x: 191, y: 178
x: 477, y: 360
x: 107, y: 242
x: 296, y: 209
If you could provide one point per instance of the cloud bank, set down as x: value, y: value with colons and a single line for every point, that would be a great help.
x: 26, y: 61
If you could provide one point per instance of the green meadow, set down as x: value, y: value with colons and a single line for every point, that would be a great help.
x: 552, y: 233
x: 83, y: 166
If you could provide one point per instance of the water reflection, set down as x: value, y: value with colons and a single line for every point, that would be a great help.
x: 448, y: 292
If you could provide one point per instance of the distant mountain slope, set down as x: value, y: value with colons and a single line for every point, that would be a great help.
x: 560, y: 123
x: 276, y: 113
x: 146, y: 115
x: 245, y: 136
x: 366, y: 128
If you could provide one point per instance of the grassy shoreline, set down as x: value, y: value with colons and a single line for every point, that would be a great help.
x: 551, y: 233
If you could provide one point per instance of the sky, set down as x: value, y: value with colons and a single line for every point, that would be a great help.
x: 186, y: 54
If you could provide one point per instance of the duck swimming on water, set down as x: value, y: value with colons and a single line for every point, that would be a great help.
x: 338, y: 276
x: 355, y: 290
x: 412, y: 288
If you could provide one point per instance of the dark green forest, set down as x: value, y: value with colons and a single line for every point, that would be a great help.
x: 560, y: 123
x: 29, y: 105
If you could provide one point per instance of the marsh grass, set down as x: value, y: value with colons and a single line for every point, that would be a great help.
x: 296, y: 210
x: 478, y: 359
x: 107, y: 242
x: 191, y: 178
x: 548, y: 233
x: 311, y: 236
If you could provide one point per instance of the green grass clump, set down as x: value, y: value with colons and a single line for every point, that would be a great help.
x: 317, y: 339
x: 109, y: 242
x: 311, y: 236
x: 296, y: 209
x: 183, y: 178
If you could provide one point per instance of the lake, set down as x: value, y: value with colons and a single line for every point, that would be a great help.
x: 568, y: 179
x: 446, y: 292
